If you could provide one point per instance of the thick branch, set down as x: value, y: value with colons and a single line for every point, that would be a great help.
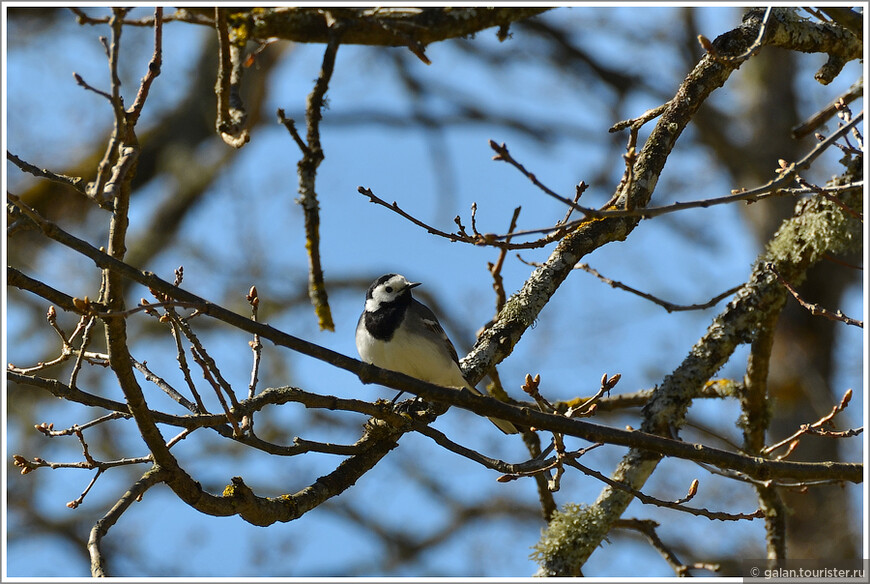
x: 390, y: 26
x: 756, y: 467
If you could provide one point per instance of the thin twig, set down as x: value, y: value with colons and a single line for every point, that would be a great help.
x: 116, y: 23
x: 578, y: 192
x: 750, y: 50
x: 205, y: 362
x: 542, y: 479
x: 540, y: 465
x: 495, y: 269
x: 512, y: 471
x: 147, y: 21
x: 28, y: 466
x: 823, y: 192
x: 834, y: 433
x: 474, y: 230
x: 647, y: 528
x: 181, y: 357
x: 256, y: 345
x: 772, y: 188
x: 648, y: 500
x: 815, y: 426
x: 80, y: 80
x: 814, y: 309
x: 396, y: 209
x: 154, y: 66
x: 589, y: 406
x: 758, y: 194
x: 145, y: 306
x: 714, y: 389
x: 827, y: 112
x: 253, y: 299
x: 120, y: 131
x: 74, y: 504
x: 51, y: 317
x: 290, y: 124
x: 75, y: 182
x: 166, y: 387
x: 642, y: 119
x: 553, y: 233
x: 48, y: 429
x: 86, y: 338
x: 67, y: 349
x: 501, y: 153
x: 669, y: 306
x: 94, y: 358
x: 153, y: 476
x: 179, y: 437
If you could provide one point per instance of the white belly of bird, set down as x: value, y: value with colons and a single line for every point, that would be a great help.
x: 420, y: 359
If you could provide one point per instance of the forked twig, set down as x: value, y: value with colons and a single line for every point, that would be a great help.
x: 816, y: 427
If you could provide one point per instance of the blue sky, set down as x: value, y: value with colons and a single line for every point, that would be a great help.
x: 251, y: 226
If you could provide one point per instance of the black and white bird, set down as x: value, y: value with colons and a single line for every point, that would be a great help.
x: 397, y: 332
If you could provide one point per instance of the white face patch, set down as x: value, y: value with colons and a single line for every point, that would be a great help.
x: 387, y: 292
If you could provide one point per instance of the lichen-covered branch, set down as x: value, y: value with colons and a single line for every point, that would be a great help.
x: 312, y: 156
x: 819, y: 228
x: 523, y: 308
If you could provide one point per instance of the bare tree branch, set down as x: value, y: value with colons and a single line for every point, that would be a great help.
x: 739, y: 321
x: 386, y: 26
x: 101, y: 527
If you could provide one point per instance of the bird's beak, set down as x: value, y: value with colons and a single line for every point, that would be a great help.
x: 413, y: 284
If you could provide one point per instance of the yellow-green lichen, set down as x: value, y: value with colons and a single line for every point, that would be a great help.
x: 559, y: 551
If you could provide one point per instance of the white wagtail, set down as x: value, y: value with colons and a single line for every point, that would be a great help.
x: 399, y: 333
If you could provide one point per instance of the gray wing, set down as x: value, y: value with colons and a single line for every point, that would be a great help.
x: 430, y: 321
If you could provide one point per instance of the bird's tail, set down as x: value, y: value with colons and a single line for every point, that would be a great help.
x: 503, y: 425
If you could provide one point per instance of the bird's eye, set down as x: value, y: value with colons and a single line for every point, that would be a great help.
x: 389, y: 289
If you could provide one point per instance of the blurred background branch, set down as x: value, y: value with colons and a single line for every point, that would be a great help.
x: 412, y: 120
